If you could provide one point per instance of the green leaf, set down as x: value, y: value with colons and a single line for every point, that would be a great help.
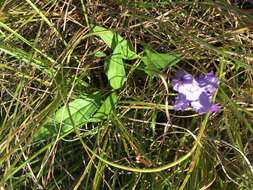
x: 112, y: 40
x: 156, y: 61
x: 100, y: 54
x: 81, y: 110
x: 115, y: 70
x: 42, y: 133
x: 105, y: 109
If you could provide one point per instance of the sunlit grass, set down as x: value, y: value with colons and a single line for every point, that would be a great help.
x: 50, y: 56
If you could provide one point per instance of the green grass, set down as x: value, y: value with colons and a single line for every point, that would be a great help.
x: 86, y: 95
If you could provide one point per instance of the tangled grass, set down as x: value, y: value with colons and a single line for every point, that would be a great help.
x: 50, y: 56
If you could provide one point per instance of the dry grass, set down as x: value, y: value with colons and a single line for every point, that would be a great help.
x: 55, y: 37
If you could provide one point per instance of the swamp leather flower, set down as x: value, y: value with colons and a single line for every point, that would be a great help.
x: 195, y: 92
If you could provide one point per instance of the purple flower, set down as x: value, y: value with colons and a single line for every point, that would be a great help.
x: 195, y: 92
x: 184, y: 83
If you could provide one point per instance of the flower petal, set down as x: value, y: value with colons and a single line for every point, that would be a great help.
x: 185, y: 83
x: 180, y: 102
x: 181, y: 78
x: 192, y: 90
x: 208, y: 82
x: 203, y: 104
x: 214, y: 108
